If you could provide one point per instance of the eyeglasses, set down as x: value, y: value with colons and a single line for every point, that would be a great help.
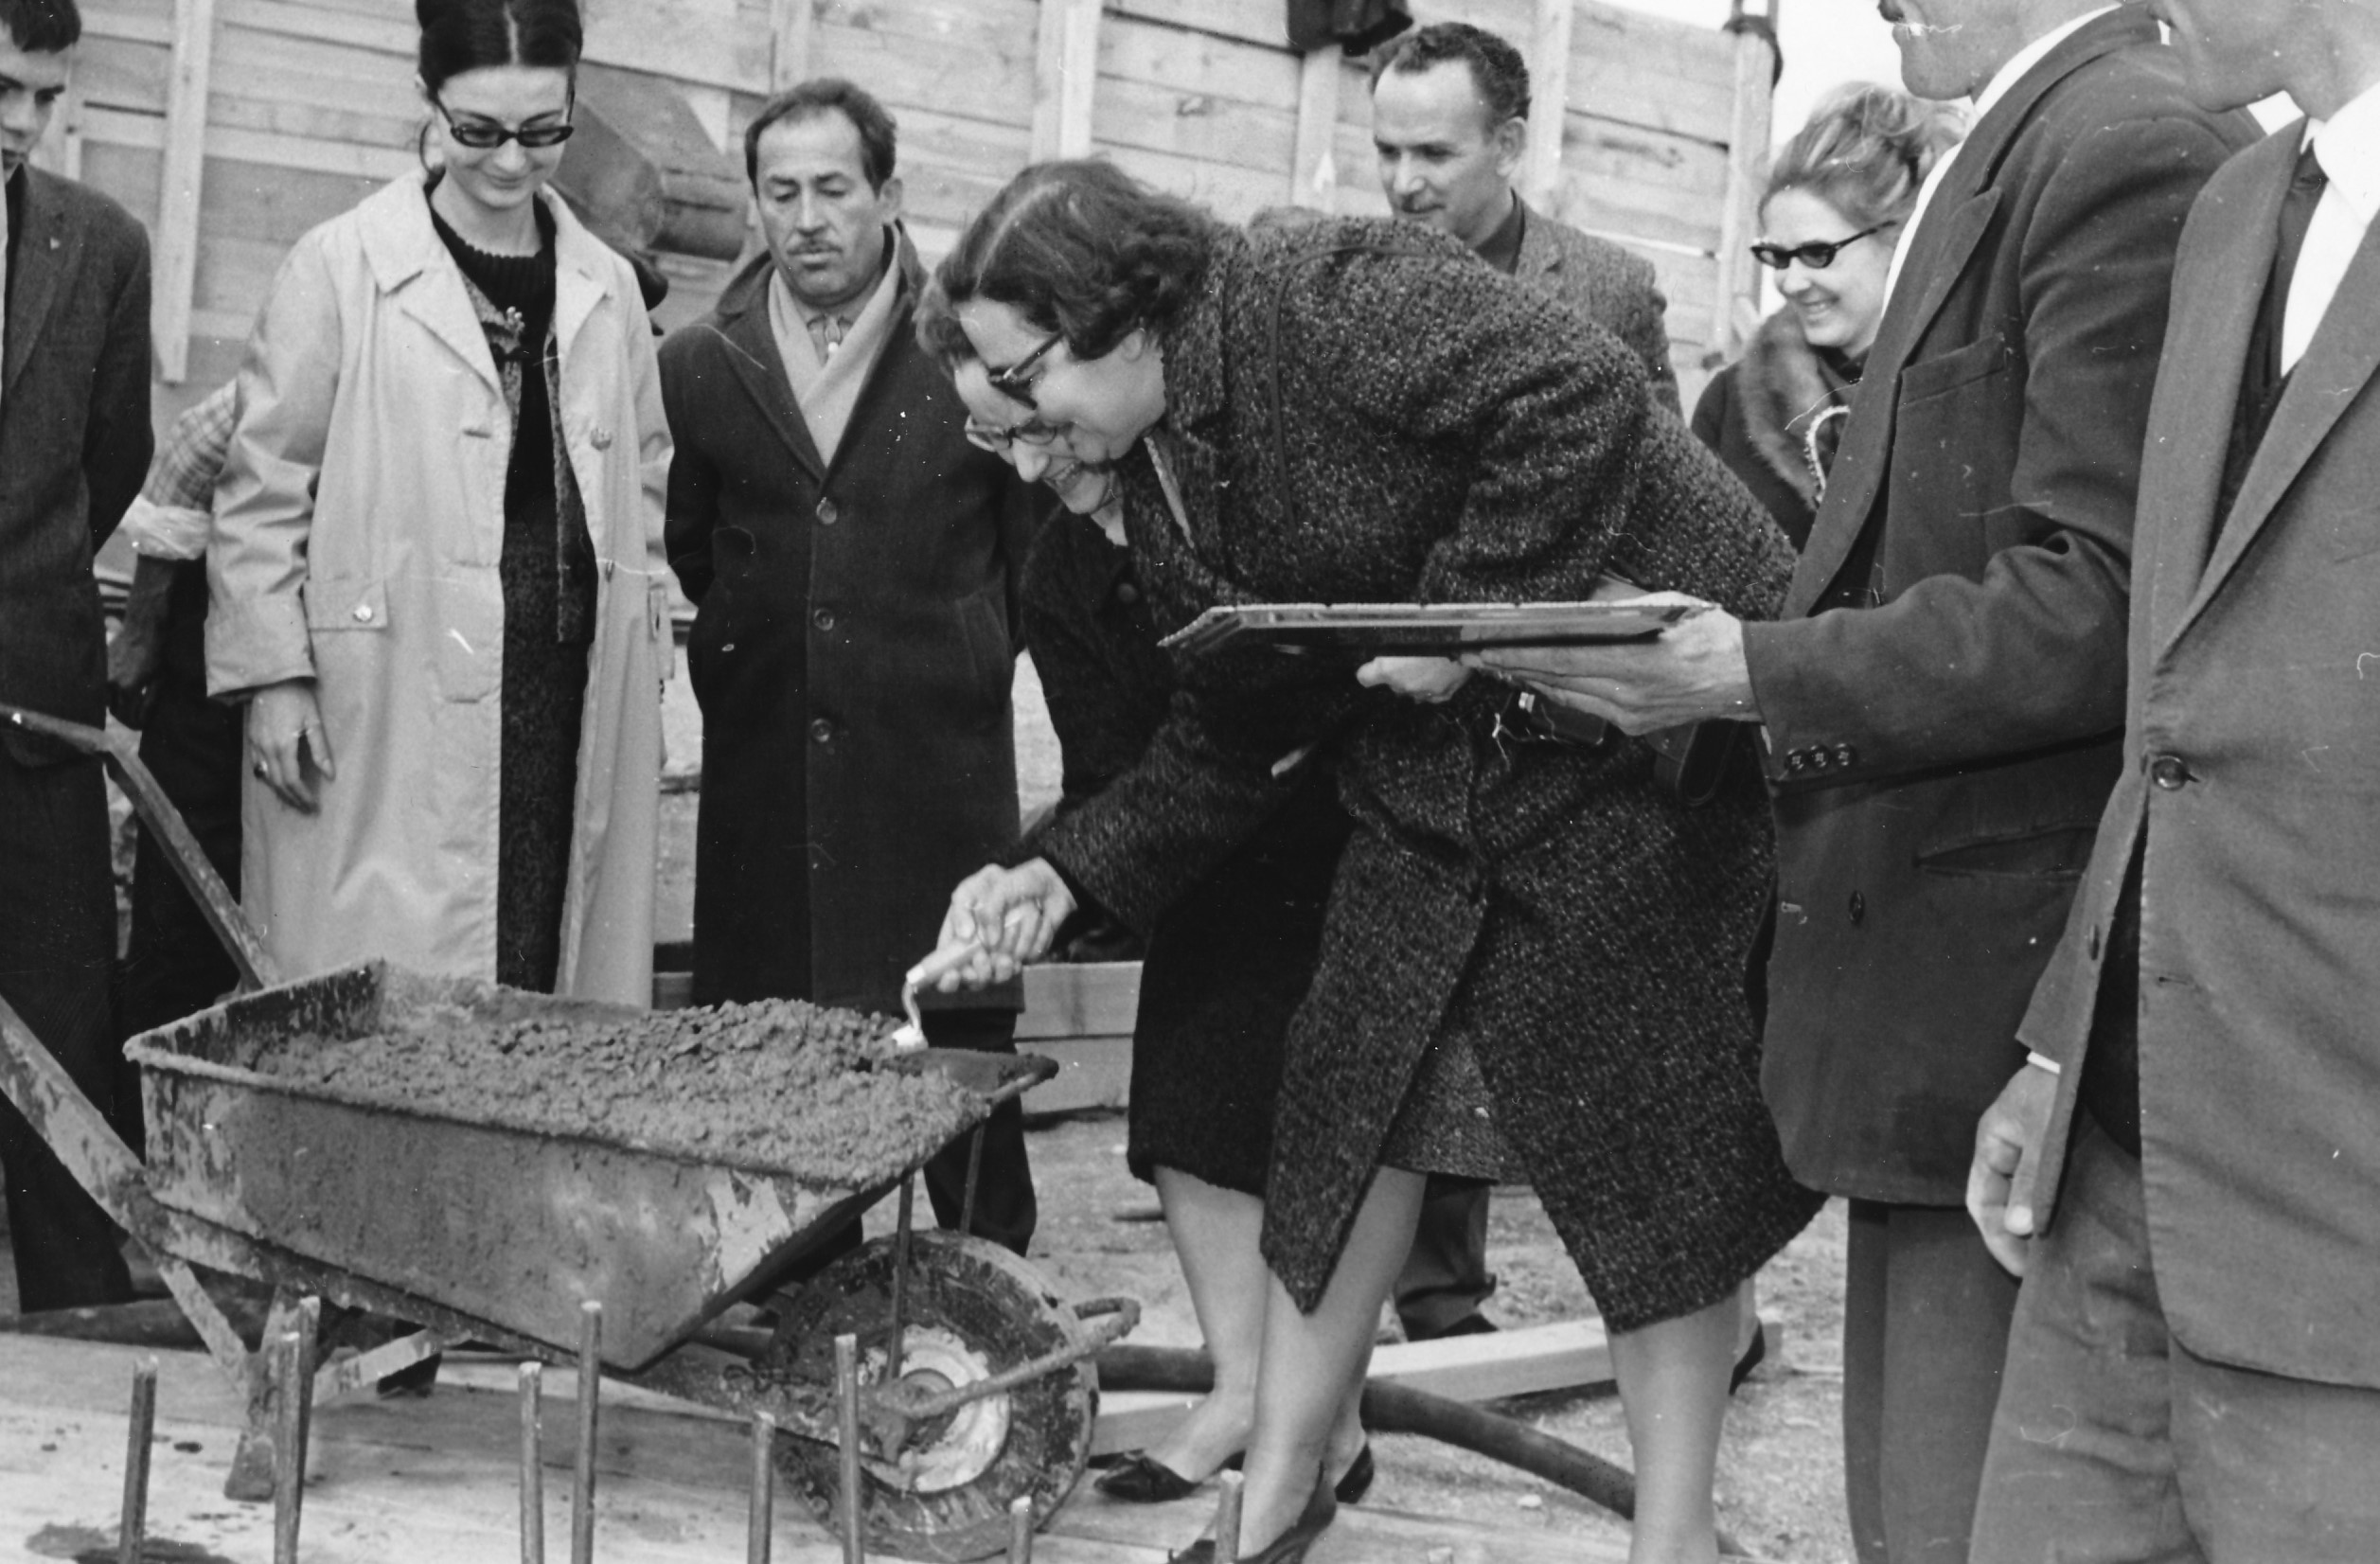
x: 1036, y: 434
x: 1011, y: 382
x: 485, y: 136
x: 1818, y: 254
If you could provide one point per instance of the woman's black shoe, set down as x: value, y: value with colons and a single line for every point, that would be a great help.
x: 1138, y: 1478
x: 1751, y: 1360
x: 1321, y: 1508
x: 1357, y: 1480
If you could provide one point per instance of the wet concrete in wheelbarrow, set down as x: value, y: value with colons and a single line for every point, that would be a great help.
x: 798, y: 1088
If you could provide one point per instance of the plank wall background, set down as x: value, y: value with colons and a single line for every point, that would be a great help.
x: 233, y: 126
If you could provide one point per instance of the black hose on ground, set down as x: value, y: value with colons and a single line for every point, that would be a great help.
x: 1400, y: 1409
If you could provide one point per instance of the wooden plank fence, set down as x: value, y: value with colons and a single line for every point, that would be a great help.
x: 233, y: 126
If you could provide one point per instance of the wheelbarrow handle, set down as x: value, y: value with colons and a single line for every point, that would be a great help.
x: 115, y: 745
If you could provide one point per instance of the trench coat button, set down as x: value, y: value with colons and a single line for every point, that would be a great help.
x: 2168, y: 773
x: 828, y: 514
x: 1858, y: 908
x: 824, y: 618
x: 363, y: 613
x: 823, y: 731
x: 600, y: 438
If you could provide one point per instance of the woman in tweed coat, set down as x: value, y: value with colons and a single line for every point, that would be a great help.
x: 1528, y: 947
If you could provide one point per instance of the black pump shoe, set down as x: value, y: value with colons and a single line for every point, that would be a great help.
x: 1290, y: 1547
x: 1139, y: 1478
x: 1357, y: 1480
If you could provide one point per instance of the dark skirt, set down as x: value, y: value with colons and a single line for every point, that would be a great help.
x: 1225, y: 971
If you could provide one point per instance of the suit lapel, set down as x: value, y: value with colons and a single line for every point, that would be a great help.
x: 1952, y: 227
x: 49, y: 251
x: 2344, y: 355
x: 1540, y: 256
x: 2217, y: 298
x: 744, y: 322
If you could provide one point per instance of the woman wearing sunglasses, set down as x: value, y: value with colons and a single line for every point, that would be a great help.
x: 1838, y: 195
x: 1531, y: 959
x: 436, y: 569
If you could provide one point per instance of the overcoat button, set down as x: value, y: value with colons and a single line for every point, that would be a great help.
x: 828, y: 514
x: 2168, y: 773
x: 1858, y: 908
x: 1126, y: 593
x: 363, y: 613
x: 823, y: 731
x: 600, y: 438
x: 824, y: 618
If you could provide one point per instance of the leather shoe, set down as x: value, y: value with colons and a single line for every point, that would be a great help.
x: 1321, y: 1508
x: 1754, y: 1356
x: 1139, y: 1478
x: 1357, y: 1480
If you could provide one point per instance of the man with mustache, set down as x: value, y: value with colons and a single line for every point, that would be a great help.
x: 2197, y: 1320
x: 855, y: 564
x: 1943, y: 693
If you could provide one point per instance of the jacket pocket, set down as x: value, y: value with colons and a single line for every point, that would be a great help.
x: 468, y: 638
x: 336, y: 605
x: 2058, y: 854
x: 1945, y: 372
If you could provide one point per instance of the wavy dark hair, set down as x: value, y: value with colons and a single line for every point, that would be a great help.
x: 1864, y: 152
x: 470, y: 35
x: 41, y: 27
x: 1079, y: 248
x: 879, y: 138
x: 1498, y: 70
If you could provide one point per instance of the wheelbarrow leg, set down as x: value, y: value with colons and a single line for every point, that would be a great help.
x: 251, y: 1478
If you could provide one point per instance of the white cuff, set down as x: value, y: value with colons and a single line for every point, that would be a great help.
x: 2042, y: 1062
x: 166, y: 532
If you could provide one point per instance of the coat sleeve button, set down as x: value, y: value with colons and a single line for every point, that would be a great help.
x: 1845, y: 755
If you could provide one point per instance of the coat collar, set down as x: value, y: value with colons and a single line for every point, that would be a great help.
x: 741, y: 319
x: 49, y: 250
x: 406, y: 256
x: 2342, y: 361
x: 1953, y: 225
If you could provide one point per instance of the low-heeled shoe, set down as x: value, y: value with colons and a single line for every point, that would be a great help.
x: 1290, y: 1547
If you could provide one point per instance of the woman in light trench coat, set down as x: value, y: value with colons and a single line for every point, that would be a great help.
x: 357, y: 602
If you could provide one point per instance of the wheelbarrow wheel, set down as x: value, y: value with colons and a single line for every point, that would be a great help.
x: 974, y: 1309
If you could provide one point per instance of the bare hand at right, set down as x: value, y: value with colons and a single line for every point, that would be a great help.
x: 999, y: 921
x: 2003, y: 1200
x: 288, y: 749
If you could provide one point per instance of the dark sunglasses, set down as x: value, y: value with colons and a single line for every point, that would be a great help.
x: 1818, y: 254
x: 485, y: 136
x: 1011, y: 382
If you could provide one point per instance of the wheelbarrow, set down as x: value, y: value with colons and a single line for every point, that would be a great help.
x: 978, y: 1386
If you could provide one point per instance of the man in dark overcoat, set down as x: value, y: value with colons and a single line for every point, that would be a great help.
x: 1449, y: 122
x: 1943, y: 694
x: 2197, y: 1320
x: 74, y: 444
x: 854, y: 562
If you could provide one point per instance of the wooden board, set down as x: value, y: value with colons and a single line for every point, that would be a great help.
x: 435, y: 1478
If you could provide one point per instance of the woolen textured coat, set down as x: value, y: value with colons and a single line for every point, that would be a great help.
x: 2252, y: 746
x: 854, y: 644
x: 358, y: 526
x: 1360, y: 411
x: 1944, y: 694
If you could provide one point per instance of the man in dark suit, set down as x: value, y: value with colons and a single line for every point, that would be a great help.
x: 1449, y: 121
x: 2198, y: 1324
x: 1943, y: 693
x: 855, y: 566
x: 74, y: 444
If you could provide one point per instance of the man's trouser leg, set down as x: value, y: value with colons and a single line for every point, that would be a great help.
x: 1926, y: 1314
x: 57, y: 947
x: 1446, y: 1277
x: 1005, y: 1210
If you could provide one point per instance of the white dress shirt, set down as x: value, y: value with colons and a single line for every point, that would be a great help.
x: 2002, y: 80
x: 2347, y: 148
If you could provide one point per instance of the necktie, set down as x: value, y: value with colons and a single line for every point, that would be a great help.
x: 827, y: 332
x: 2262, y: 380
x: 2296, y: 218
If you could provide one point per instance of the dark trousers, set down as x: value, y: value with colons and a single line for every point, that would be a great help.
x: 56, y: 948
x: 1446, y: 1277
x: 2114, y: 1444
x: 1925, y: 1311
x: 173, y: 963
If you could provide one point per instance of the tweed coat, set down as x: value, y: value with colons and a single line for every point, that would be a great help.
x: 854, y: 645
x: 1609, y: 285
x: 1360, y: 411
x: 2251, y: 748
x: 1944, y: 694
